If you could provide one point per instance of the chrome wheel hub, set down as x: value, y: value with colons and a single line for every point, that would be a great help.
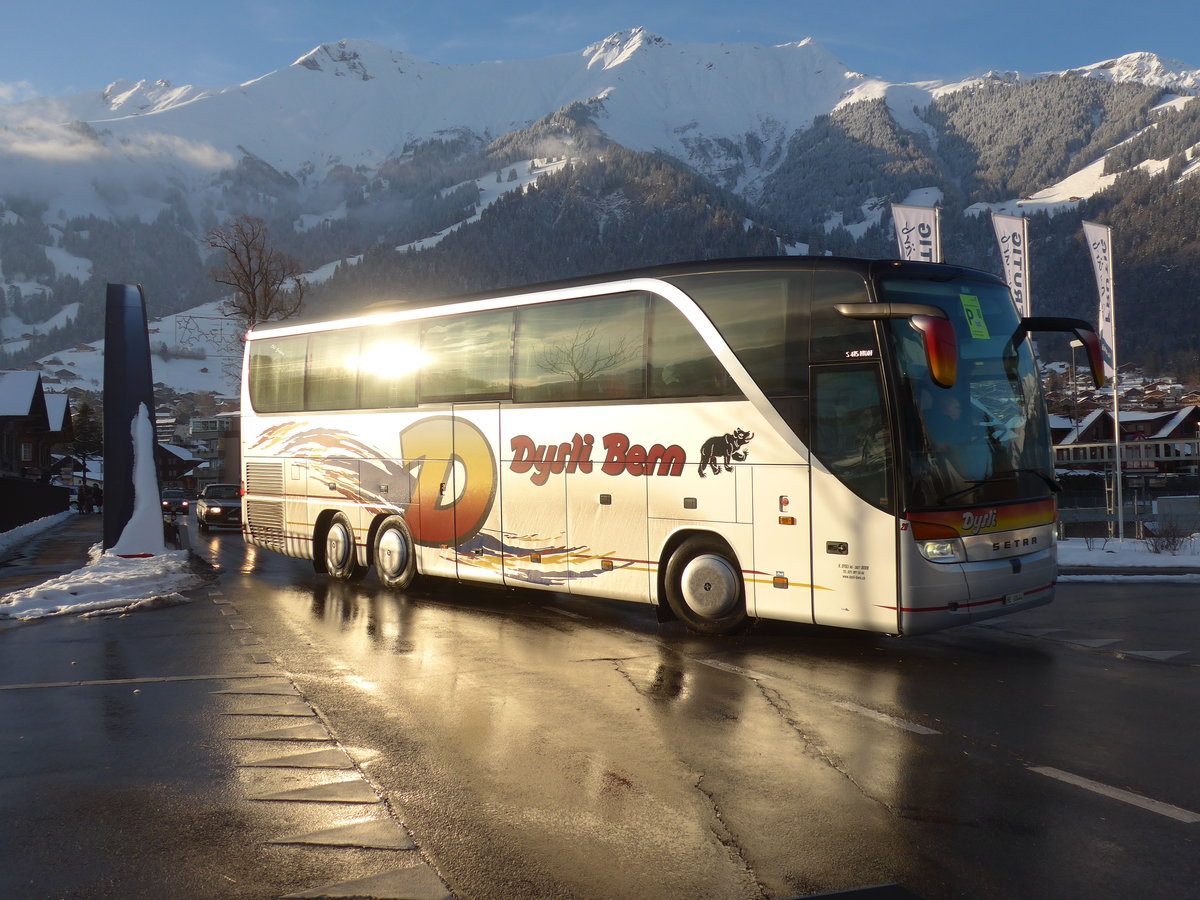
x: 337, y: 546
x: 393, y: 553
x: 710, y: 586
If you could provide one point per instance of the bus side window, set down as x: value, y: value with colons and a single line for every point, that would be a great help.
x: 573, y: 350
x: 765, y: 323
x: 849, y: 431
x: 467, y: 357
x: 277, y: 374
x: 388, y: 365
x: 681, y: 364
x: 836, y: 338
x: 331, y: 376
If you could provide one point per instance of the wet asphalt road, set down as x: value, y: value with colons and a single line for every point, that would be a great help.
x: 538, y: 745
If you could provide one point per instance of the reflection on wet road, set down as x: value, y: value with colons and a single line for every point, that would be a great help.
x: 542, y: 745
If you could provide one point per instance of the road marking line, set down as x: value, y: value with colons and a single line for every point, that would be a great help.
x: 884, y: 718
x: 162, y: 680
x: 563, y: 612
x: 1094, y: 643
x: 1156, y: 806
x: 736, y: 670
x: 1033, y: 632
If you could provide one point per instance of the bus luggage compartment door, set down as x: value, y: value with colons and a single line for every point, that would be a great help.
x: 782, y: 580
x: 456, y: 492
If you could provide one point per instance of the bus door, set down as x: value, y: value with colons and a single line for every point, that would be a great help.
x: 853, y: 495
x: 455, y: 494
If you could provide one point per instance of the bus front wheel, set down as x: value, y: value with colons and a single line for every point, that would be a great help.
x: 704, y: 586
x: 395, y: 561
x: 341, y: 558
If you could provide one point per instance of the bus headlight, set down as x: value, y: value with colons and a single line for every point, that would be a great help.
x: 943, y: 550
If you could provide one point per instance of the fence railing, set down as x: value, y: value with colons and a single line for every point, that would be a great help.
x: 1135, y: 454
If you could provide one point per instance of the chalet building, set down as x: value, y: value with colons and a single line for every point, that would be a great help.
x: 174, y: 463
x: 1163, y: 441
x: 31, y: 423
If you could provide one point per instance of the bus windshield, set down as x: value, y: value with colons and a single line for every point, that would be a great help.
x: 986, y: 439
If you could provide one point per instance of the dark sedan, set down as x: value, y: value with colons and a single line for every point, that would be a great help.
x: 220, y: 504
x: 175, y: 502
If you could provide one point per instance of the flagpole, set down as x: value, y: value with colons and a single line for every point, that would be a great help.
x: 937, y: 234
x: 1117, y: 421
x: 1027, y: 286
x: 1099, y: 241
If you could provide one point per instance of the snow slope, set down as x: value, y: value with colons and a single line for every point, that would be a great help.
x: 355, y: 102
x: 722, y: 107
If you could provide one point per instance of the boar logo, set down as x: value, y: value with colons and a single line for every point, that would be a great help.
x: 726, y: 446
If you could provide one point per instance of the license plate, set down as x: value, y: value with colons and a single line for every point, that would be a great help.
x: 1014, y: 598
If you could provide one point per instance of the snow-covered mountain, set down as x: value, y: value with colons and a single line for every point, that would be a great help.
x: 1145, y: 68
x: 356, y: 103
x: 351, y: 134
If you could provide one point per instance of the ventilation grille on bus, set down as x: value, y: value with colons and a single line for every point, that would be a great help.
x: 264, y: 478
x: 264, y: 520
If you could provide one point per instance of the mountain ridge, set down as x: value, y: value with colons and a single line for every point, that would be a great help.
x: 356, y: 149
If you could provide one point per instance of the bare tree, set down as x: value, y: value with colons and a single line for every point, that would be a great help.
x: 267, y: 283
x: 584, y: 356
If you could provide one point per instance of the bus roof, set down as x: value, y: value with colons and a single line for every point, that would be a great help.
x: 864, y: 266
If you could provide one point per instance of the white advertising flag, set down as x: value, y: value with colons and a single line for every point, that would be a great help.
x: 1099, y: 240
x: 917, y: 232
x: 1012, y: 234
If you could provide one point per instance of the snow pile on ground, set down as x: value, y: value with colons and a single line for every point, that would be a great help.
x: 1129, y: 561
x: 1127, y: 554
x: 108, y: 584
x: 25, y: 533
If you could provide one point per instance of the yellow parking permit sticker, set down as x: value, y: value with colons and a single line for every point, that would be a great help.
x: 974, y: 314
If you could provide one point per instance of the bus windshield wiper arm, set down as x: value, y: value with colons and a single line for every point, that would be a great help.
x: 1052, y: 483
x: 960, y: 492
x: 1004, y: 476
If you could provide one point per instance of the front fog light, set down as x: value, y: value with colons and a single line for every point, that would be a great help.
x: 943, y: 551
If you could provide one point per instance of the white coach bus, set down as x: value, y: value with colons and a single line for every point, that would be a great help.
x: 856, y: 443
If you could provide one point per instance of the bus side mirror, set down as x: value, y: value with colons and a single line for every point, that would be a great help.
x: 1078, y: 327
x: 931, y: 322
x: 941, y: 348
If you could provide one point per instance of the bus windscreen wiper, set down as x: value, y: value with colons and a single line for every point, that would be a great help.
x: 1004, y: 476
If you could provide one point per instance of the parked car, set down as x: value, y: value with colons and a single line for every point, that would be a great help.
x: 220, y: 504
x: 175, y: 502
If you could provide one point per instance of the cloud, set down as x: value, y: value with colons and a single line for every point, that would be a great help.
x: 46, y: 141
x: 16, y: 91
x: 52, y: 142
x: 191, y: 153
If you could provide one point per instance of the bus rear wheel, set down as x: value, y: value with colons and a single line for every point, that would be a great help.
x: 704, y: 587
x: 395, y: 561
x: 341, y: 557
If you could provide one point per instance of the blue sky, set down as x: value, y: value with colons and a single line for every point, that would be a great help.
x: 58, y: 47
